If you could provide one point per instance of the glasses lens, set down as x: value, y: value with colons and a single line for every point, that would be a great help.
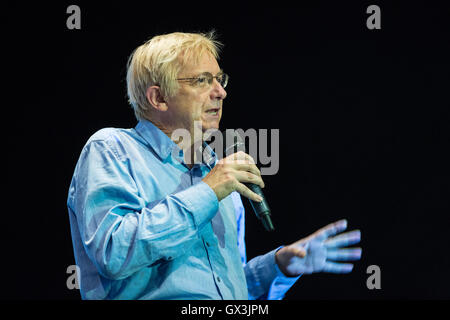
x: 207, y: 79
x: 223, y: 80
x: 203, y: 80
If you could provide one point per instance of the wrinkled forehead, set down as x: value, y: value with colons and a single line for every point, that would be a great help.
x: 196, y: 63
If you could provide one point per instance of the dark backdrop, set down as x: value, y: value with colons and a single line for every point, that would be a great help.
x: 363, y: 118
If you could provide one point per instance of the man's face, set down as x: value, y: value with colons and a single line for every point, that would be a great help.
x: 196, y: 102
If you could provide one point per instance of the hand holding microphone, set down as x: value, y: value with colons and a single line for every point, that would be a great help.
x: 238, y: 172
x: 232, y: 173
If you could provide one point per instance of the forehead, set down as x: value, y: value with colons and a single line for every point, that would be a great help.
x: 205, y: 63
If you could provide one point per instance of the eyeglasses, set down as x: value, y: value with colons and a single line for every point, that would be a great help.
x: 206, y: 79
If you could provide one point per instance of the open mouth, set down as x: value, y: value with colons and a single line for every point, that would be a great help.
x: 213, y: 111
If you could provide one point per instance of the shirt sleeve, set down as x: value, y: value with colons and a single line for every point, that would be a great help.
x: 265, y: 281
x: 122, y: 233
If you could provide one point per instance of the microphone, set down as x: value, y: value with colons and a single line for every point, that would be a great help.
x: 261, y: 209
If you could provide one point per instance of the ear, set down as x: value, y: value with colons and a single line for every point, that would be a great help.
x: 155, y: 98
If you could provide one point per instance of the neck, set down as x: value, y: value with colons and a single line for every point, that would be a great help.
x: 185, y: 139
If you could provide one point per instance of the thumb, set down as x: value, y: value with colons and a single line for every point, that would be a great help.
x: 299, y: 252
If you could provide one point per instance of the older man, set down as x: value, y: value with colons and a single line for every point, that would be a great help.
x: 148, y: 222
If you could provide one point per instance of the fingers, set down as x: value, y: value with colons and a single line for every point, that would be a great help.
x: 244, y: 168
x: 231, y: 173
x: 334, y: 267
x: 248, y: 177
x: 242, y: 157
x: 343, y: 240
x: 351, y: 254
x: 246, y: 192
x: 331, y: 229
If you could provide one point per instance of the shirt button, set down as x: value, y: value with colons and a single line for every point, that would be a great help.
x: 207, y: 243
x: 218, y: 279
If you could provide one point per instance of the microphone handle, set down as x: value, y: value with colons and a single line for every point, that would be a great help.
x: 261, y: 209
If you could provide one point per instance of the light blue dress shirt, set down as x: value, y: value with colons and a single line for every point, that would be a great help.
x: 145, y: 226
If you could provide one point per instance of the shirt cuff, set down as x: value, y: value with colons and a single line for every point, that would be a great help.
x: 265, y: 280
x: 281, y: 283
x: 202, y: 202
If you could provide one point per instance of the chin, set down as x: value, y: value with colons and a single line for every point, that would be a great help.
x: 210, y: 122
x: 211, y: 125
x: 208, y: 130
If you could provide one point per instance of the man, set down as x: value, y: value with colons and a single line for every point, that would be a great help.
x: 148, y: 222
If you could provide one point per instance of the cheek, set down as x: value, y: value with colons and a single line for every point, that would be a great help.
x: 198, y: 105
x: 195, y: 112
x: 188, y: 108
x: 192, y: 105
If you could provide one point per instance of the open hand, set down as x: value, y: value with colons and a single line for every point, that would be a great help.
x: 319, y: 251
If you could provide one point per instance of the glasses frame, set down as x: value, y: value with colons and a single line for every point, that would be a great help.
x: 210, y: 78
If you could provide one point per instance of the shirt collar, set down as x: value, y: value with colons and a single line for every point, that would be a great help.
x: 157, y: 140
x: 209, y: 156
x: 164, y: 146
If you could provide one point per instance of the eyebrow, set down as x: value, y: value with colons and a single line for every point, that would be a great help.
x: 199, y: 74
x: 220, y: 71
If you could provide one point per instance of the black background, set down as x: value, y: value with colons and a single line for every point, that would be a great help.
x: 363, y: 118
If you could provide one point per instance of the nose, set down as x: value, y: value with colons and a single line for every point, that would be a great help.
x: 217, y: 91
